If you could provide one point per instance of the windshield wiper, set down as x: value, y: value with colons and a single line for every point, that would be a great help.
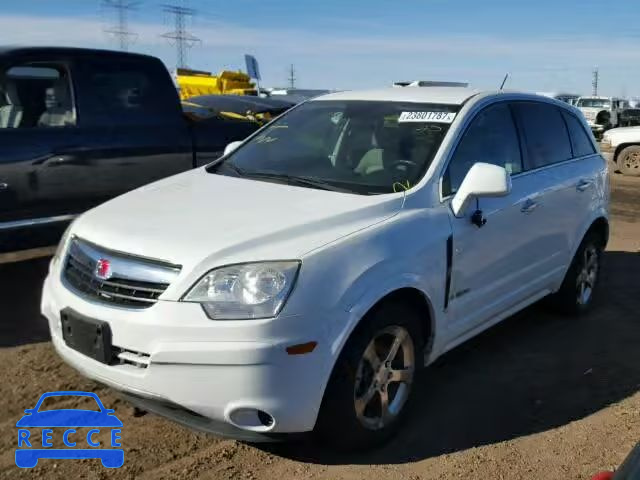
x: 297, y: 180
x: 224, y: 164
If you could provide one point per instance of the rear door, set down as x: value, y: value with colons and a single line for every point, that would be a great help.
x: 565, y: 180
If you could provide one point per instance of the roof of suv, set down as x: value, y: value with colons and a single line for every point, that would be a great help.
x: 440, y: 95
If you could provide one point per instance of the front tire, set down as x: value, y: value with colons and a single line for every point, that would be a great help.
x: 629, y: 161
x: 576, y: 294
x: 371, y: 384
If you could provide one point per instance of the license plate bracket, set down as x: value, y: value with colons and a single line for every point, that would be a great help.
x: 86, y: 335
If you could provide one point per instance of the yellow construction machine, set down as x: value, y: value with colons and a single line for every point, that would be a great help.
x: 193, y: 83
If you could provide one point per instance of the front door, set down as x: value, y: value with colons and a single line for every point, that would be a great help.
x: 494, y: 266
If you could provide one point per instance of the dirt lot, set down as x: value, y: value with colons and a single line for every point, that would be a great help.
x: 539, y: 396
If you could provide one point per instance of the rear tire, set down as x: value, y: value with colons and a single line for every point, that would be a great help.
x: 579, y: 286
x: 369, y: 375
x: 629, y: 161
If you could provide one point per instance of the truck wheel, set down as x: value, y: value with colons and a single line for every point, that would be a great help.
x: 629, y: 161
x: 575, y: 295
x: 370, y: 386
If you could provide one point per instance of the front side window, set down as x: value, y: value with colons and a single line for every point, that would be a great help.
x: 547, y: 138
x: 360, y: 147
x: 491, y: 138
x: 36, y: 96
x: 580, y: 140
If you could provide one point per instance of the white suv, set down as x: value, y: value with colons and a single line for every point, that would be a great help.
x: 298, y: 282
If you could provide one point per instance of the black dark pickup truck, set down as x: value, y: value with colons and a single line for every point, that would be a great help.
x: 80, y: 126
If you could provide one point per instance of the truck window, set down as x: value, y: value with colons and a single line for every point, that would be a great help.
x: 130, y: 92
x: 35, y: 96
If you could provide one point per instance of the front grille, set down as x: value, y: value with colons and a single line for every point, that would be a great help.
x: 79, y: 274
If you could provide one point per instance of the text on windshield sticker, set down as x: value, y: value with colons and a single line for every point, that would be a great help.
x: 437, y: 117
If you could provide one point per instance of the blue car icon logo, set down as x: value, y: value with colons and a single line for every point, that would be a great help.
x: 40, y: 419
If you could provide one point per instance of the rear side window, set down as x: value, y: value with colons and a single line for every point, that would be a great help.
x: 491, y: 138
x: 545, y: 132
x: 127, y: 92
x: 580, y: 140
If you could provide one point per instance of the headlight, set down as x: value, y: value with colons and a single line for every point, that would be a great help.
x: 63, y: 243
x: 245, y: 291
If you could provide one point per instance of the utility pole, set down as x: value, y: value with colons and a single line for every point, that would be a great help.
x: 121, y: 30
x: 594, y: 83
x: 292, y: 77
x: 182, y: 39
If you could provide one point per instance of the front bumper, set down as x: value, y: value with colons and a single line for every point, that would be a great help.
x: 214, y: 369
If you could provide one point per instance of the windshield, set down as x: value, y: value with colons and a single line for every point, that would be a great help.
x: 594, y: 103
x: 355, y: 146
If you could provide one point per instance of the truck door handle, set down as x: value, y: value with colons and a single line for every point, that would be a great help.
x: 56, y: 160
x: 583, y: 185
x: 529, y: 206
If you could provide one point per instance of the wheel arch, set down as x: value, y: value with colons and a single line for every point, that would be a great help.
x: 599, y: 225
x: 621, y: 147
x: 408, y: 294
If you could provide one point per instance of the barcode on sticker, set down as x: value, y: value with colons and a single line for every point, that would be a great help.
x: 437, y: 117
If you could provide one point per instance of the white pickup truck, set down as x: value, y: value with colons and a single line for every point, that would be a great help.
x: 624, y: 145
x: 602, y: 113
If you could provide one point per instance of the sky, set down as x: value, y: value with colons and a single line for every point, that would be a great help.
x: 545, y: 45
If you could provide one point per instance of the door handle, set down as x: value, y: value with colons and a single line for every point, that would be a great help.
x: 583, y: 185
x: 529, y: 206
x: 56, y: 160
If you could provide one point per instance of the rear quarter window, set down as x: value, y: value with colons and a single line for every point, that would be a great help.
x: 580, y: 139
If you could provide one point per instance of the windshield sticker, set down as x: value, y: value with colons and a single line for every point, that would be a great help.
x: 436, y: 117
x: 265, y: 139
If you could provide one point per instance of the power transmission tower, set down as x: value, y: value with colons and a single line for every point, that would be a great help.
x: 121, y: 30
x: 182, y: 39
x: 594, y: 83
x: 292, y: 77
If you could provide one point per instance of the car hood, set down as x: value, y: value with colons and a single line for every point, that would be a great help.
x: 624, y: 131
x: 198, y: 220
x: 69, y: 418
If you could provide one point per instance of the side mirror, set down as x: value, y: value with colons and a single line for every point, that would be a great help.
x: 482, y: 180
x: 231, y: 147
x: 29, y: 411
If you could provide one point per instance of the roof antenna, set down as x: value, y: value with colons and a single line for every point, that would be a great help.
x: 506, y: 77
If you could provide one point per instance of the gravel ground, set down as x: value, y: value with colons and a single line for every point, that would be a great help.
x: 538, y: 396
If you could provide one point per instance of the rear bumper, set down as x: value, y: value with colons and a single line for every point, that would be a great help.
x: 213, y: 369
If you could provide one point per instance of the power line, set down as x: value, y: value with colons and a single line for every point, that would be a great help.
x: 292, y: 77
x: 121, y: 30
x: 182, y: 39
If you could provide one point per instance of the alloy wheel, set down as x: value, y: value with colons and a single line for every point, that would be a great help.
x: 588, y: 275
x: 384, y: 377
x: 632, y: 161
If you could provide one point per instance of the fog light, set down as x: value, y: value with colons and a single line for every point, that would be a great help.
x: 252, y: 419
